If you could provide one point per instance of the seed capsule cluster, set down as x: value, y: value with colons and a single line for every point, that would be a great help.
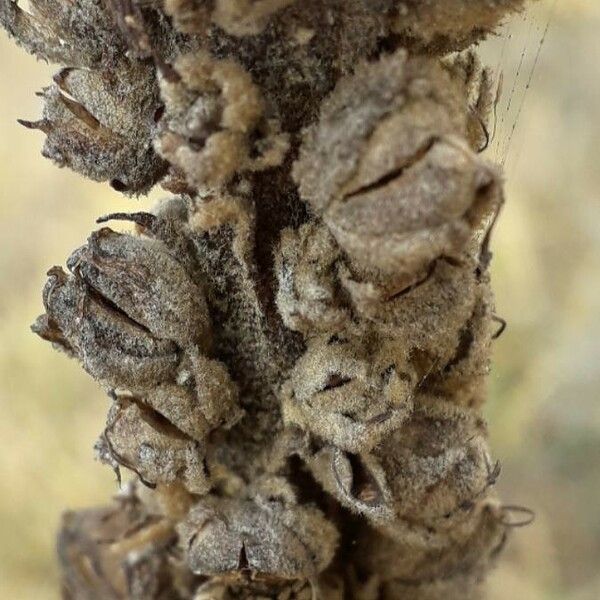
x: 296, y: 344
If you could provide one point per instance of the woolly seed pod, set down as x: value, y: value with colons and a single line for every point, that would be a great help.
x: 226, y: 537
x: 131, y: 551
x: 347, y: 397
x: 101, y: 124
x: 389, y: 171
x: 147, y: 283
x: 140, y: 439
x: 454, y: 570
x: 80, y: 34
x: 111, y: 347
x: 423, y: 482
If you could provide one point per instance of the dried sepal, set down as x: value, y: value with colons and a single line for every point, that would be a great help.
x: 481, y: 95
x: 140, y: 439
x: 111, y: 347
x: 229, y: 537
x: 147, y: 283
x: 101, y: 124
x: 348, y: 394
x: 389, y: 171
x: 214, y: 125
x: 306, y: 294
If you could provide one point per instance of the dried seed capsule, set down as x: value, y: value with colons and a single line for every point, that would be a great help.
x: 78, y: 33
x: 423, y: 483
x: 129, y: 549
x: 348, y: 397
x: 306, y: 296
x: 428, y: 315
x: 139, y: 439
x: 438, y: 465
x: 446, y: 25
x: 225, y: 536
x: 208, y: 401
x: 101, y: 124
x: 213, y: 110
x: 457, y: 566
x: 389, y: 171
x: 147, y: 283
x: 111, y: 347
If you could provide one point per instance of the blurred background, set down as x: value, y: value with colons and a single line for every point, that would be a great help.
x: 544, y: 409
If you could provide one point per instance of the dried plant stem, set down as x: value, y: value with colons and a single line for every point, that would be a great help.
x: 296, y: 343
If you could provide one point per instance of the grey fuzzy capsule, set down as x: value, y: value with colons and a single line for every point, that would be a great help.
x: 208, y: 401
x: 425, y: 484
x: 101, y: 125
x: 113, y: 348
x: 147, y: 283
x: 348, y: 398
x: 227, y: 536
x: 389, y: 169
x: 139, y: 439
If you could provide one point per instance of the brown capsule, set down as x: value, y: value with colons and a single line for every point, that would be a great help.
x: 458, y: 565
x: 101, y: 125
x: 140, y: 439
x: 307, y: 292
x: 424, y: 483
x: 389, y: 169
x: 438, y: 466
x: 348, y: 397
x: 76, y: 33
x: 113, y: 348
x: 207, y: 401
x: 145, y: 282
x: 129, y: 548
x: 227, y: 536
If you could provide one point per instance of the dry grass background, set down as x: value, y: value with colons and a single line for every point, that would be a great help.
x: 544, y: 410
